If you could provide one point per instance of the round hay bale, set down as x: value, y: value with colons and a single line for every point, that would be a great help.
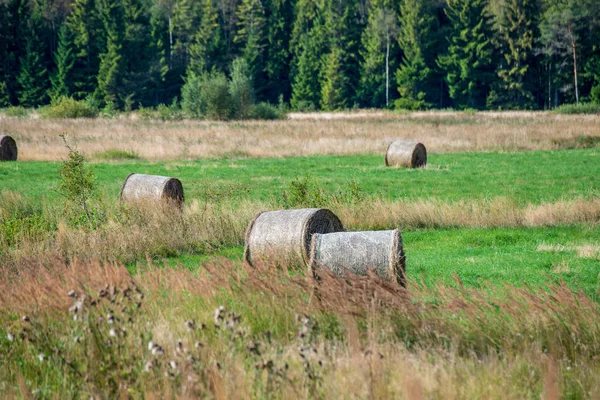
x: 8, y: 149
x: 406, y: 154
x: 379, y: 251
x: 140, y: 187
x: 284, y: 236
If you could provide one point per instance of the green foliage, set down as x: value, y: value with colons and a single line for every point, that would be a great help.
x: 16, y: 112
x: 416, y: 76
x: 65, y: 60
x: 77, y: 182
x: 33, y: 74
x: 241, y: 89
x: 581, y: 108
x: 266, y: 111
x: 207, y: 96
x: 251, y: 39
x: 307, y: 192
x: 469, y: 62
x: 117, y: 155
x: 67, y: 107
x: 334, y: 83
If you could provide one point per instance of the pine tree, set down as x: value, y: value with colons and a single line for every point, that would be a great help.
x: 111, y: 70
x: 334, y: 83
x: 278, y: 56
x: 251, y: 39
x: 64, y: 60
x: 468, y: 65
x: 206, y: 42
x: 85, y: 28
x: 308, y: 44
x: 416, y: 75
x: 516, y: 41
x: 159, y: 65
x: 33, y: 74
x: 379, y: 52
x: 5, y: 40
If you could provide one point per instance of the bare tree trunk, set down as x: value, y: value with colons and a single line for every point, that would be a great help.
x: 170, y: 40
x: 549, y: 85
x: 387, y: 71
x: 575, y: 67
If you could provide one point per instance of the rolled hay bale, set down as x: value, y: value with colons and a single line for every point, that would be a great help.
x: 378, y: 251
x: 8, y: 149
x: 401, y: 153
x: 141, y: 187
x: 283, y: 237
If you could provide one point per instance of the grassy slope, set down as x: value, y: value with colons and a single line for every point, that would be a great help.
x: 525, y: 176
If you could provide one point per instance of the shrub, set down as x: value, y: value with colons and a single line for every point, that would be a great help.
x: 266, y: 111
x: 581, y: 108
x: 240, y: 89
x: 117, y: 155
x: 67, y: 107
x: 16, y: 112
x: 206, y: 96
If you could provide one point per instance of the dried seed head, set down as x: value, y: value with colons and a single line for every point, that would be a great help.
x: 26, y: 318
x: 10, y: 337
x: 77, y: 339
x: 149, y: 365
x: 72, y: 293
x: 41, y: 357
x: 198, y: 345
x: 173, y: 364
x: 189, y: 324
x: 112, y: 332
x: 150, y: 345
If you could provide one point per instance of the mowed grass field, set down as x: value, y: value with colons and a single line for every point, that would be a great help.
x: 501, y: 233
x: 477, y: 256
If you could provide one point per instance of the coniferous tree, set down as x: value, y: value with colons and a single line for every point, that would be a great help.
x: 334, y: 83
x: 206, y: 42
x: 416, y: 76
x: 64, y: 59
x: 159, y: 64
x: 84, y: 26
x: 379, y: 52
x: 33, y: 73
x: 251, y: 39
x: 112, y: 62
x: 278, y: 56
x: 308, y: 45
x: 515, y: 32
x: 469, y: 62
x: 5, y: 40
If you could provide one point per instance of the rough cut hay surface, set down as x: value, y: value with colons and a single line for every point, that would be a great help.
x: 8, y: 149
x: 406, y: 154
x: 379, y: 251
x: 283, y: 237
x: 140, y: 187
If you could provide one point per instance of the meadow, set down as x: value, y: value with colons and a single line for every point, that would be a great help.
x: 501, y: 232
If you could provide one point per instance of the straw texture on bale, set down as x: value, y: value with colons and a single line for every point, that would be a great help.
x: 378, y: 251
x: 283, y: 237
x: 8, y: 149
x: 140, y: 187
x: 406, y: 154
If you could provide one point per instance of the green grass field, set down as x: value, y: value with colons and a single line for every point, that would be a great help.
x: 525, y: 177
x: 475, y: 255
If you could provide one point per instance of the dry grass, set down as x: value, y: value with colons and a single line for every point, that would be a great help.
x: 383, y: 342
x: 301, y: 135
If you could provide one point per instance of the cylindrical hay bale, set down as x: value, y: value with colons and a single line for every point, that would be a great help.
x: 8, y: 149
x: 379, y: 251
x: 140, y: 187
x: 406, y: 154
x: 283, y: 237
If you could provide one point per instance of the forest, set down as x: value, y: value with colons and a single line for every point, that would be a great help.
x: 304, y: 54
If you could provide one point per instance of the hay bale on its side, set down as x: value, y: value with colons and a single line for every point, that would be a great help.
x: 379, y: 251
x: 8, y: 149
x: 140, y: 187
x: 406, y: 154
x: 284, y: 236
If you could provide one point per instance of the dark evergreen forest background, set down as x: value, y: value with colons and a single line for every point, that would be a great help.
x: 312, y: 54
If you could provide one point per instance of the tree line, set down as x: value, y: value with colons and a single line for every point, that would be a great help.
x: 310, y: 54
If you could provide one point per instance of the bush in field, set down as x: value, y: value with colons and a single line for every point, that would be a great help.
x: 581, y: 108
x: 206, y: 96
x: 16, y: 112
x: 67, y: 107
x: 266, y: 111
x: 240, y: 89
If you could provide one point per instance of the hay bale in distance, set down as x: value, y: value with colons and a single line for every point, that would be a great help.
x: 284, y: 236
x: 140, y: 187
x: 8, y: 149
x: 406, y: 154
x: 379, y: 251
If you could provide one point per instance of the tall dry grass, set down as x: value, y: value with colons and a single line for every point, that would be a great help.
x: 129, y: 233
x: 301, y: 135
x: 361, y: 338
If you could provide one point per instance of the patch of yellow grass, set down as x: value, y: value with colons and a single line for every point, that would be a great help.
x: 363, y: 132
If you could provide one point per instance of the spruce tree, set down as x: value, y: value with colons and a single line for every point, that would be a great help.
x: 280, y: 14
x: 158, y: 66
x: 64, y: 59
x: 379, y: 52
x: 469, y: 62
x: 516, y: 41
x: 206, y: 42
x: 416, y: 75
x: 112, y: 63
x: 334, y: 83
x: 33, y: 73
x: 308, y: 44
x: 250, y: 38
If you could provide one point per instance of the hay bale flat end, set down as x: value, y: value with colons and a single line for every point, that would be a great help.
x: 8, y: 149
